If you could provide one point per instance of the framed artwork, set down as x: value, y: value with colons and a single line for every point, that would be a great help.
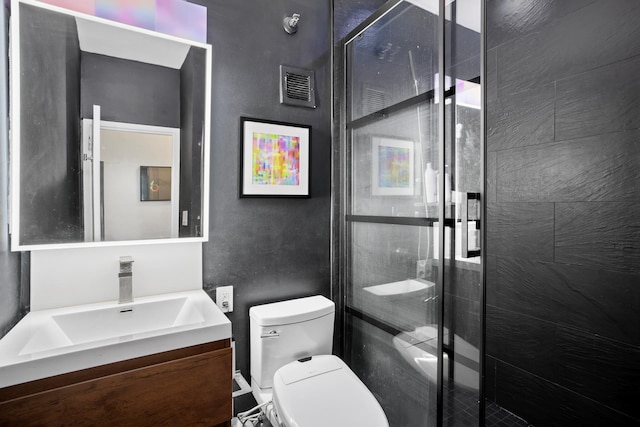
x: 155, y: 183
x: 392, y: 167
x: 274, y: 159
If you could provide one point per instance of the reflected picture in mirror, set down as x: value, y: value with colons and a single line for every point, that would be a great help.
x: 82, y: 86
x: 155, y: 183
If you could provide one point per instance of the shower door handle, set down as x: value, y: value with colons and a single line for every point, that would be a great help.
x: 466, y: 253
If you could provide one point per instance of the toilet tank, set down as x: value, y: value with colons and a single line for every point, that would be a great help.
x: 285, y: 331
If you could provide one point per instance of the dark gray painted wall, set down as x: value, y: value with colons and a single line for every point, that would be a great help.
x: 130, y: 91
x: 268, y: 249
x: 563, y: 260
x: 12, y: 307
x: 50, y: 152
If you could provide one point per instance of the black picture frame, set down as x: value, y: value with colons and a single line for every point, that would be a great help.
x: 275, y: 159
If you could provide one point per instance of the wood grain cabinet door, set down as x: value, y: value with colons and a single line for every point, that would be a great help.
x: 189, y: 391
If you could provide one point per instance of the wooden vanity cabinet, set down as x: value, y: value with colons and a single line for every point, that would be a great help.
x: 185, y: 387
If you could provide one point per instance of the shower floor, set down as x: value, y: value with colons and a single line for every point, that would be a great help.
x: 461, y: 410
x: 497, y: 416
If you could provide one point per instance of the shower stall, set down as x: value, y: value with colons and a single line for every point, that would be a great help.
x: 411, y: 244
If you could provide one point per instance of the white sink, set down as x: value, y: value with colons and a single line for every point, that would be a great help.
x: 129, y: 319
x: 56, y: 341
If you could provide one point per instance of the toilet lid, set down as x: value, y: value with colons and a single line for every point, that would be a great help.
x: 322, y: 391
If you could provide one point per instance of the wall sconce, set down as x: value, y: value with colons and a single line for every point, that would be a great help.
x: 290, y: 23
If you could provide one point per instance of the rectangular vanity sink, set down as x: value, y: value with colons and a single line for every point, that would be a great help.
x: 61, y: 340
x: 125, y: 320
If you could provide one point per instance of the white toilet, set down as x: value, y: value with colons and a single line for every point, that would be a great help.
x: 291, y: 364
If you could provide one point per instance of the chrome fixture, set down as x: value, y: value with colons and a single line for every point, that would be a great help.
x: 126, y: 280
x: 290, y: 23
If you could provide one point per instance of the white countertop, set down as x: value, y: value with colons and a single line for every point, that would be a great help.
x: 56, y: 341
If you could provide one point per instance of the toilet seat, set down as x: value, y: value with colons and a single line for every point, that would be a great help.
x: 323, y: 391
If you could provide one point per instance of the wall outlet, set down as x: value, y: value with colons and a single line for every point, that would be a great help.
x: 224, y: 298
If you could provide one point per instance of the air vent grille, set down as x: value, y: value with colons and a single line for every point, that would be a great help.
x: 297, y: 87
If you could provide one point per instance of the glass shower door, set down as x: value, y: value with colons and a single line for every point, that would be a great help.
x: 412, y: 304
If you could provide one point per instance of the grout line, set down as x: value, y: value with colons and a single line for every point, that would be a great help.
x: 553, y: 247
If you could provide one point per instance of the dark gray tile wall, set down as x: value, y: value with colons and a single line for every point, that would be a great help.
x: 563, y: 181
x: 268, y: 249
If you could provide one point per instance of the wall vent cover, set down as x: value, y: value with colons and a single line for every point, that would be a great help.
x: 297, y: 87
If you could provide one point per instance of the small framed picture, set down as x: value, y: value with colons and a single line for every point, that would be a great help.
x: 274, y: 159
x: 155, y: 183
x: 392, y: 167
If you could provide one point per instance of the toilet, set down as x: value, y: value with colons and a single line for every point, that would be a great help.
x: 292, y: 366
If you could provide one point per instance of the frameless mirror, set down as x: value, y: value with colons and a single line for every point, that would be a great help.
x: 110, y: 130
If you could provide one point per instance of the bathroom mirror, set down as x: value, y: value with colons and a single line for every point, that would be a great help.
x: 109, y: 132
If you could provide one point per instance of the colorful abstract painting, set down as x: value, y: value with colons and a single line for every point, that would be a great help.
x: 394, y: 167
x: 275, y: 159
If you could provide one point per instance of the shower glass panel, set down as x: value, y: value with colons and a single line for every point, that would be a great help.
x: 413, y: 290
x: 463, y: 269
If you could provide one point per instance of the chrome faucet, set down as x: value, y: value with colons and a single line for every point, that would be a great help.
x: 126, y: 280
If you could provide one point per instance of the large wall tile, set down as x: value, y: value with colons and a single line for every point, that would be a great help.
x: 604, y: 370
x: 600, y: 101
x: 602, y: 302
x: 522, y: 119
x: 490, y: 378
x: 520, y: 340
x: 520, y: 230
x: 600, y: 168
x: 596, y: 35
x: 491, y: 278
x: 492, y: 159
x: 462, y: 316
x: 601, y: 235
x: 544, y: 403
x: 507, y: 20
x: 492, y: 74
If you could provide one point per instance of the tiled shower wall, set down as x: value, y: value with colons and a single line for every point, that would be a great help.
x: 563, y: 283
